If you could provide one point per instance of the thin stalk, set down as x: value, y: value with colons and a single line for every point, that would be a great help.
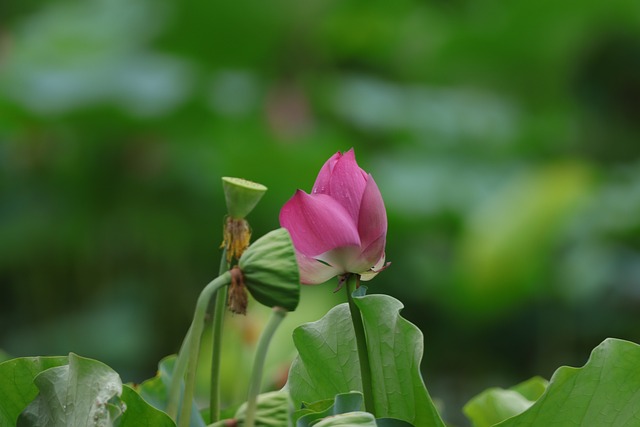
x: 277, y: 315
x: 220, y: 305
x: 188, y: 357
x: 179, y: 368
x: 361, y: 342
x: 181, y: 362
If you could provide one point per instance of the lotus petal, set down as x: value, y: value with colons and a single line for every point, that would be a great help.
x: 347, y: 184
x: 317, y: 223
x: 372, y: 219
x: 314, y: 272
x: 321, y: 186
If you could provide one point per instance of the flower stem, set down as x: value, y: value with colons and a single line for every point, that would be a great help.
x: 277, y: 315
x: 188, y: 357
x: 219, y: 304
x: 179, y: 367
x: 361, y: 342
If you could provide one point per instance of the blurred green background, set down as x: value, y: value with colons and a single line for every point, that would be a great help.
x: 504, y: 137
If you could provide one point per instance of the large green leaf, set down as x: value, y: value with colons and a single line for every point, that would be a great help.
x: 139, y: 413
x: 77, y: 394
x: 327, y: 363
x: 17, y: 389
x: 155, y: 390
x: 343, y: 403
x: 496, y: 404
x: 345, y: 407
x: 395, y: 352
x: 70, y: 390
x: 604, y: 392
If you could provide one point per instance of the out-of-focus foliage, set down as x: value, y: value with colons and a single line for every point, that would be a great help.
x: 497, y: 404
x: 503, y: 137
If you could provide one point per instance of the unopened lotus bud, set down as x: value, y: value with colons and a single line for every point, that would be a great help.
x: 341, y: 227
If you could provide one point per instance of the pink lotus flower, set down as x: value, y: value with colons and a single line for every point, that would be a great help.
x: 341, y: 227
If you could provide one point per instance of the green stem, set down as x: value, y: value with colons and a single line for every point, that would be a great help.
x: 361, y: 341
x: 220, y: 305
x: 277, y: 315
x: 188, y: 357
x: 177, y: 376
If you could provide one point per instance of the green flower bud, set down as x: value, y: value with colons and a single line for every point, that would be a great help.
x: 270, y: 270
x: 241, y: 195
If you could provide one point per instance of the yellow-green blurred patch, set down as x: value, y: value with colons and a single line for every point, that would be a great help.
x: 509, y: 239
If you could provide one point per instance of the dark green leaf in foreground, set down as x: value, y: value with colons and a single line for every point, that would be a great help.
x: 17, y: 389
x: 327, y: 363
x: 496, y: 404
x: 139, y: 413
x: 77, y: 394
x: 70, y: 391
x: 155, y: 390
x: 604, y: 392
